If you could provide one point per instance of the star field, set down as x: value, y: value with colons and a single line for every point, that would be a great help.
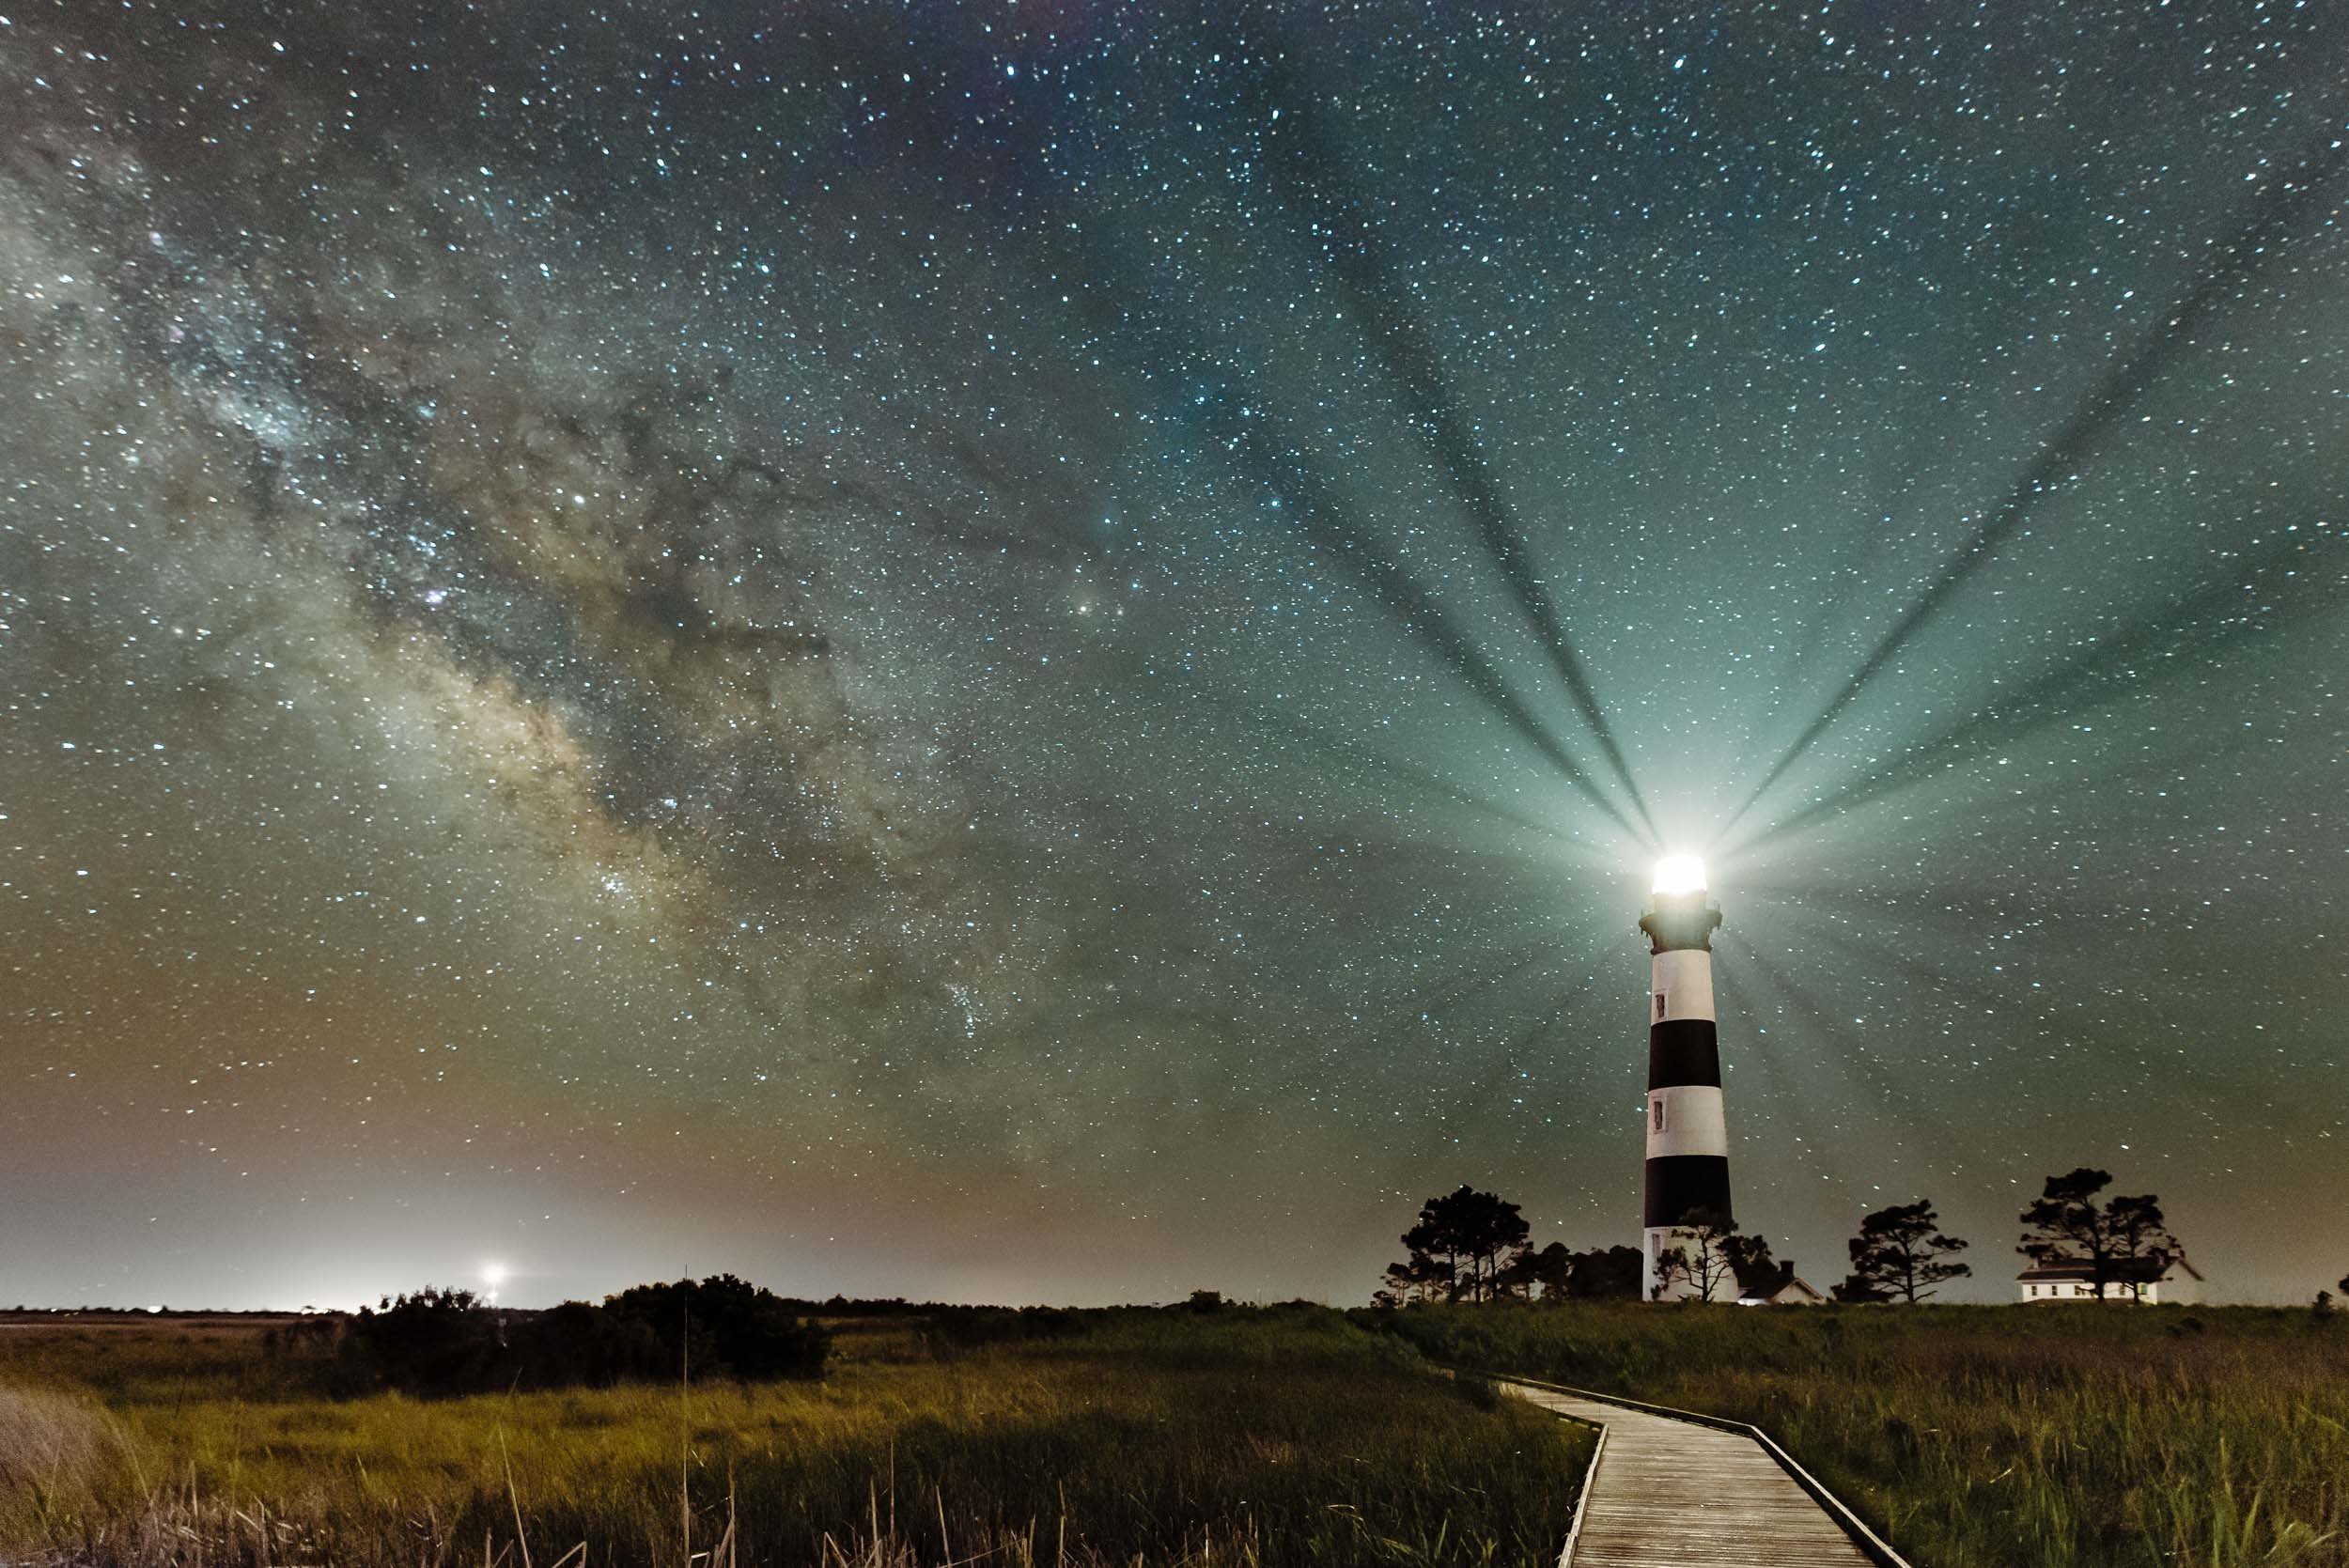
x: 1036, y: 651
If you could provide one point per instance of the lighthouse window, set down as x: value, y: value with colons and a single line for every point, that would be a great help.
x: 1656, y: 1113
x: 1659, y: 1007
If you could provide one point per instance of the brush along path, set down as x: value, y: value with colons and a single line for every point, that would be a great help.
x: 1667, y: 1492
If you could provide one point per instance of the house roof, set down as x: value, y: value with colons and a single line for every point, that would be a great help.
x: 2144, y: 1271
x: 1793, y: 1286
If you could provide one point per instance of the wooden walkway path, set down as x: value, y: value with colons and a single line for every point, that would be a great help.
x: 1665, y: 1492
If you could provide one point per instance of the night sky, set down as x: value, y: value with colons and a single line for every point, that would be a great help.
x: 1035, y: 652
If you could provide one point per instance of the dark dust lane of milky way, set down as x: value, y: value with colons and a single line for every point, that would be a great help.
x: 1036, y: 652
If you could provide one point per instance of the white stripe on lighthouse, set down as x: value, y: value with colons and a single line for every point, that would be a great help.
x: 1683, y: 978
x: 1686, y: 1120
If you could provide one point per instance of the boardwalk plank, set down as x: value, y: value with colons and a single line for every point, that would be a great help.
x: 1669, y: 1492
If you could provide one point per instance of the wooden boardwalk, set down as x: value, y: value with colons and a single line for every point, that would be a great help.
x: 1666, y: 1492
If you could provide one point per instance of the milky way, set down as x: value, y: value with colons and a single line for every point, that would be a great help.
x: 1035, y: 651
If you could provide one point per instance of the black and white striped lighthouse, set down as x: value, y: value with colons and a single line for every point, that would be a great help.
x: 1687, y: 1140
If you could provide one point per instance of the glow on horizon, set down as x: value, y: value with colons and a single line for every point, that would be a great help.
x: 1680, y: 873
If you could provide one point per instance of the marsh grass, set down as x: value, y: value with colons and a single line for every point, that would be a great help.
x: 1241, y: 1438
x: 2064, y: 1437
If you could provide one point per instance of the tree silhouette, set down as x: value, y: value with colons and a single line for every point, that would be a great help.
x: 434, y: 1342
x: 1604, y: 1274
x: 1899, y: 1252
x: 722, y: 1324
x: 2122, y: 1239
x: 2140, y: 1234
x: 1417, y: 1277
x: 1551, y: 1270
x: 1751, y: 1265
x: 1469, y: 1236
x: 1856, y: 1290
x: 1671, y: 1267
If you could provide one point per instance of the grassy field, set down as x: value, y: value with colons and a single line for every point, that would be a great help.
x: 1282, y: 1435
x: 1994, y: 1436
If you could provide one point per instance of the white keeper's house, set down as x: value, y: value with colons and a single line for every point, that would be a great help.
x: 2149, y: 1280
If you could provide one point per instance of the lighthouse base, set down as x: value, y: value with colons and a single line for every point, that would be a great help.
x: 1655, y: 1242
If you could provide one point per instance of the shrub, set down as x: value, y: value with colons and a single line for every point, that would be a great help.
x: 724, y: 1326
x: 578, y: 1344
x: 441, y: 1342
x: 952, y: 1328
x: 436, y: 1343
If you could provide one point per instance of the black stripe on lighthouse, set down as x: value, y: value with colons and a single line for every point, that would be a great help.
x: 1679, y: 1185
x: 1683, y: 1050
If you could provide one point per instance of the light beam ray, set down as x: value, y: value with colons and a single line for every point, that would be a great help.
x: 1329, y: 521
x: 1870, y: 1081
x: 2197, y: 623
x: 1290, y: 727
x: 1306, y: 181
x: 2279, y: 208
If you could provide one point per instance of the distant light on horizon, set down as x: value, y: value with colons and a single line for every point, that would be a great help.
x: 493, y: 1275
x: 1680, y: 873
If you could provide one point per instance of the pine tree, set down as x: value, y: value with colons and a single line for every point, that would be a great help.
x: 1899, y: 1253
x: 2118, y: 1241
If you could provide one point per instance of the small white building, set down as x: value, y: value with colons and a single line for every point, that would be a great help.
x: 2150, y: 1282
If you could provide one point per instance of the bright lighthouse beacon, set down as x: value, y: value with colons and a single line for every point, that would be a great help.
x: 1687, y: 1140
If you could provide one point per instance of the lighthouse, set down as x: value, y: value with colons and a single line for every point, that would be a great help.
x: 1687, y: 1140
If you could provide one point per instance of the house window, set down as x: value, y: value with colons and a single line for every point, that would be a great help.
x: 2031, y: 1289
x: 1656, y: 1113
x: 1659, y: 1007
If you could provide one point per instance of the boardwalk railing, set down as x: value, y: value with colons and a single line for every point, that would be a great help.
x: 1583, y: 1500
x: 1871, y: 1546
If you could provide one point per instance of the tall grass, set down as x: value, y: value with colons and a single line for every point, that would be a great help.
x: 1241, y: 1438
x: 2063, y: 1437
x: 51, y: 1445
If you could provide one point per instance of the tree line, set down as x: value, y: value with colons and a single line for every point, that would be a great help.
x: 438, y: 1342
x: 1471, y: 1245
